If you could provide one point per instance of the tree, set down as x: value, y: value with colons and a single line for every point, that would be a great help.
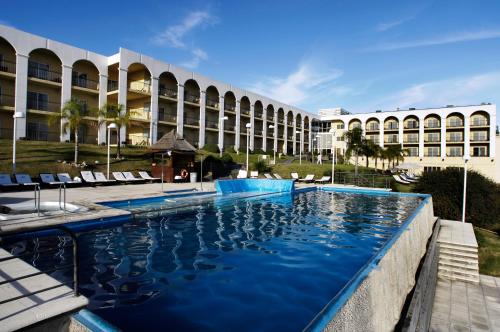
x: 376, y: 153
x: 354, y: 141
x: 73, y: 113
x: 368, y: 150
x: 116, y: 114
x: 395, y: 153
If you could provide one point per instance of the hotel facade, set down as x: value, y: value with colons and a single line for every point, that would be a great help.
x: 434, y: 138
x: 38, y: 76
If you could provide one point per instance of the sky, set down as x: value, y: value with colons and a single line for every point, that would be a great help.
x: 359, y: 55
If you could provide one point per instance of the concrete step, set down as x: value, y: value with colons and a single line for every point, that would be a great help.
x: 444, y: 252
x: 459, y: 266
x: 457, y: 248
x: 446, y: 271
x: 451, y: 276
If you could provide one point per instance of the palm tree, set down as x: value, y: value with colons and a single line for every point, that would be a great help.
x: 368, y: 150
x: 377, y: 150
x: 395, y: 154
x: 384, y: 154
x: 354, y: 141
x: 116, y: 114
x: 73, y: 113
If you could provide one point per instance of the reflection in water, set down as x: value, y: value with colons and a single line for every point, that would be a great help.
x: 262, y: 263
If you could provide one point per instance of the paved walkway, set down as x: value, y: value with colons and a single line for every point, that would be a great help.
x: 461, y: 306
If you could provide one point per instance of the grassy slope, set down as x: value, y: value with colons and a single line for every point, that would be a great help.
x: 489, y: 252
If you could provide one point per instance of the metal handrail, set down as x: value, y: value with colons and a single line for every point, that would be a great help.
x: 62, y: 186
x: 75, y: 264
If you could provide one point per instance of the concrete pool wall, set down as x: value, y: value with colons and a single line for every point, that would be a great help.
x: 374, y: 298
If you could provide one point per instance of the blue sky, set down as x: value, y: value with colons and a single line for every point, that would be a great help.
x: 360, y: 55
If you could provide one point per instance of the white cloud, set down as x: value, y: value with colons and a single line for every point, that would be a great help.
x: 384, y: 26
x: 457, y: 91
x: 307, y: 83
x: 440, y: 40
x: 175, y: 35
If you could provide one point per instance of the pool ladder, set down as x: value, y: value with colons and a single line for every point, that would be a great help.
x: 62, y: 197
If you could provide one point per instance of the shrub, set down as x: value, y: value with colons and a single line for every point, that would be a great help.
x: 261, y: 166
x: 446, y: 188
x: 226, y: 158
x: 210, y: 147
x: 259, y: 151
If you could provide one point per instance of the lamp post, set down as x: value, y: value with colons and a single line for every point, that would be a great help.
x: 274, y: 150
x: 318, y: 145
x: 466, y: 159
x: 248, y: 126
x: 110, y: 126
x: 14, y: 139
x: 221, y: 122
x: 332, y: 131
x: 300, y: 147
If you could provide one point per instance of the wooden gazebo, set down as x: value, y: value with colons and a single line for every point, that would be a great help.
x: 179, y: 157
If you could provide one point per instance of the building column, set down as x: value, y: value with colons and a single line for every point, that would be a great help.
x: 264, y: 129
x: 221, y: 123
x: 421, y: 134
x: 466, y: 136
x: 401, y: 126
x: 203, y: 114
x: 276, y: 131
x: 103, y: 97
x: 492, y: 122
x: 302, y: 134
x: 180, y: 110
x: 237, y: 126
x: 65, y: 97
x: 285, y: 134
x: 294, y: 150
x: 443, y: 138
x: 252, y: 127
x: 122, y: 98
x: 21, y: 93
x: 153, y: 129
x: 363, y: 127
x: 381, y: 135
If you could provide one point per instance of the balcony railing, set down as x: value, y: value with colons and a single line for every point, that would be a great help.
x: 454, y: 139
x: 432, y: 154
x: 373, y: 128
x: 167, y: 117
x: 191, y: 121
x: 8, y: 66
x: 140, y: 113
x: 411, y: 140
x: 455, y: 124
x: 258, y: 132
x: 212, y: 103
x: 454, y: 154
x: 7, y: 100
x: 35, y: 104
x: 432, y: 140
x: 411, y: 125
x: 191, y: 98
x: 229, y: 127
x: 45, y: 75
x: 140, y: 86
x: 270, y: 118
x: 112, y: 85
x: 391, y: 127
x: 479, y: 138
x: 245, y: 112
x: 230, y: 106
x: 42, y: 135
x: 431, y: 125
x: 258, y: 115
x: 167, y: 92
x: 391, y: 141
x: 281, y: 121
x: 84, y: 83
x: 478, y: 123
x: 212, y: 124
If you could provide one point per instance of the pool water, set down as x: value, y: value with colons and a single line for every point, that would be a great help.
x: 266, y: 263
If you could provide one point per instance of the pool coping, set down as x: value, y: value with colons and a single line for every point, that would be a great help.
x: 331, y: 309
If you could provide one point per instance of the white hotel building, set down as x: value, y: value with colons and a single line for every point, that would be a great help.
x: 38, y: 75
x: 434, y: 138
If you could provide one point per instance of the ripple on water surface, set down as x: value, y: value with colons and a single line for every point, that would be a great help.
x: 266, y: 263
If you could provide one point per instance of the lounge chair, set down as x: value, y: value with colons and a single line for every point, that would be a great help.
x: 308, y: 179
x: 66, y: 178
x: 268, y: 176
x: 99, y: 176
x: 242, y: 174
x: 129, y: 176
x: 48, y: 179
x: 399, y: 180
x: 404, y: 177
x: 120, y: 177
x: 324, y: 179
x: 254, y: 174
x: 146, y: 176
x: 294, y: 175
x: 25, y: 180
x: 6, y: 181
x: 89, y: 178
x: 277, y: 176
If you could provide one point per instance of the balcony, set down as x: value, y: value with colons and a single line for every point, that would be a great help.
x: 433, y: 125
x: 391, y: 141
x: 432, y: 154
x: 191, y: 98
x: 454, y: 154
x: 479, y: 138
x: 45, y: 75
x: 47, y: 106
x: 454, y: 124
x: 281, y: 121
x: 139, y: 113
x: 410, y: 140
x: 41, y: 135
x: 258, y: 116
x: 454, y: 139
x: 432, y: 140
x: 479, y: 123
x: 411, y: 125
x: 112, y: 85
x: 270, y: 118
x: 373, y: 128
x: 212, y: 124
x: 231, y: 107
x: 190, y: 121
x: 391, y: 127
x: 245, y: 112
x: 289, y: 123
x: 84, y: 83
x: 140, y: 86
x: 229, y: 127
x: 7, y: 67
x: 166, y: 92
x: 167, y: 117
x: 290, y: 138
x: 214, y: 103
x: 258, y: 132
x: 7, y: 100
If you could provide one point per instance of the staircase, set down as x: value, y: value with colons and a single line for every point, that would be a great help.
x: 458, y: 258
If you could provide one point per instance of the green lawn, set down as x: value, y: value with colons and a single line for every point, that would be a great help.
x: 489, y: 252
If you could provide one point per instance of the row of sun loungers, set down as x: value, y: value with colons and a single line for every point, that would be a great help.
x: 405, y: 178
x: 242, y: 174
x: 88, y: 177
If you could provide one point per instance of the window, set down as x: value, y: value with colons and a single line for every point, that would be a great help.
x: 455, y: 151
x: 479, y: 121
x: 79, y: 79
x: 479, y: 136
x: 433, y: 137
x: 392, y: 125
x: 412, y: 124
x: 38, y: 101
x: 373, y: 126
x: 412, y: 151
x: 412, y: 138
x: 433, y: 151
x: 455, y: 137
x: 392, y: 138
x: 340, y: 126
x: 479, y: 151
x: 38, y: 70
x: 431, y: 168
x: 455, y: 122
x: 433, y: 123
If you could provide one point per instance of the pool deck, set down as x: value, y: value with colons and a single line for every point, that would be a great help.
x: 87, y: 197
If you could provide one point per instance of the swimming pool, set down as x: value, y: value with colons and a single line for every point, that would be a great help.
x: 268, y: 262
